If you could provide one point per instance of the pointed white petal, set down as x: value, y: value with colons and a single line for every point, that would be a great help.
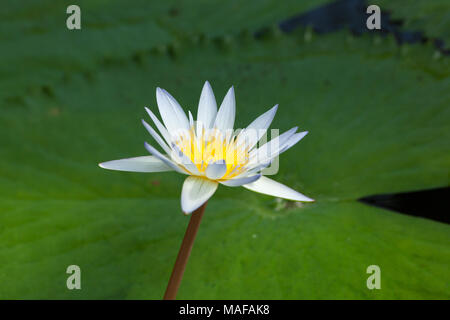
x: 207, y: 107
x: 196, y: 191
x: 271, y: 149
x: 160, y: 126
x: 137, y: 164
x: 216, y: 170
x: 164, y: 159
x: 283, y: 146
x: 227, y: 111
x: 255, y: 130
x: 264, y: 120
x: 293, y: 140
x: 286, y: 135
x: 258, y: 167
x: 171, y: 112
x: 191, y: 120
x: 236, y: 182
x: 157, y: 137
x: 178, y: 110
x: 271, y: 187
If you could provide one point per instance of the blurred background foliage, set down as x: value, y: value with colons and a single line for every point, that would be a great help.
x: 377, y: 112
x: 430, y: 17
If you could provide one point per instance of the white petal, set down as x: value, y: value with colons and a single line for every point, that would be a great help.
x: 196, y: 191
x: 171, y: 112
x: 258, y: 167
x: 157, y: 137
x: 207, y: 107
x: 264, y: 120
x: 275, y: 147
x: 191, y: 120
x: 236, y: 182
x: 216, y: 170
x: 163, y: 158
x: 255, y: 130
x: 288, y: 144
x: 271, y: 187
x: 178, y: 110
x: 227, y: 111
x: 137, y: 164
x: 271, y: 149
x: 160, y: 126
x: 293, y: 140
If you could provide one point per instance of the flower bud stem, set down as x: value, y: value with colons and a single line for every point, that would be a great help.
x: 184, y: 253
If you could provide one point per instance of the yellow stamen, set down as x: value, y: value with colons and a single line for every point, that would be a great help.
x: 206, y: 147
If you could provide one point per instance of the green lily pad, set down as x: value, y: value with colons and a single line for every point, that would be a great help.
x: 431, y: 17
x: 39, y: 44
x: 378, y: 122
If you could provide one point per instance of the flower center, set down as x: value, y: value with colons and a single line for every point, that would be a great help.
x: 212, y: 146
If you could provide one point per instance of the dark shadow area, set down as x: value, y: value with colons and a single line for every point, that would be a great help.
x: 431, y: 204
x: 351, y: 14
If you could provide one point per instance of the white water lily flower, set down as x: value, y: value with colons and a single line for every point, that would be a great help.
x: 209, y: 151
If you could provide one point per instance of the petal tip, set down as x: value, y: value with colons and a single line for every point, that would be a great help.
x: 303, y: 198
x: 273, y: 111
x: 148, y: 147
x: 149, y: 112
x: 186, y: 209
